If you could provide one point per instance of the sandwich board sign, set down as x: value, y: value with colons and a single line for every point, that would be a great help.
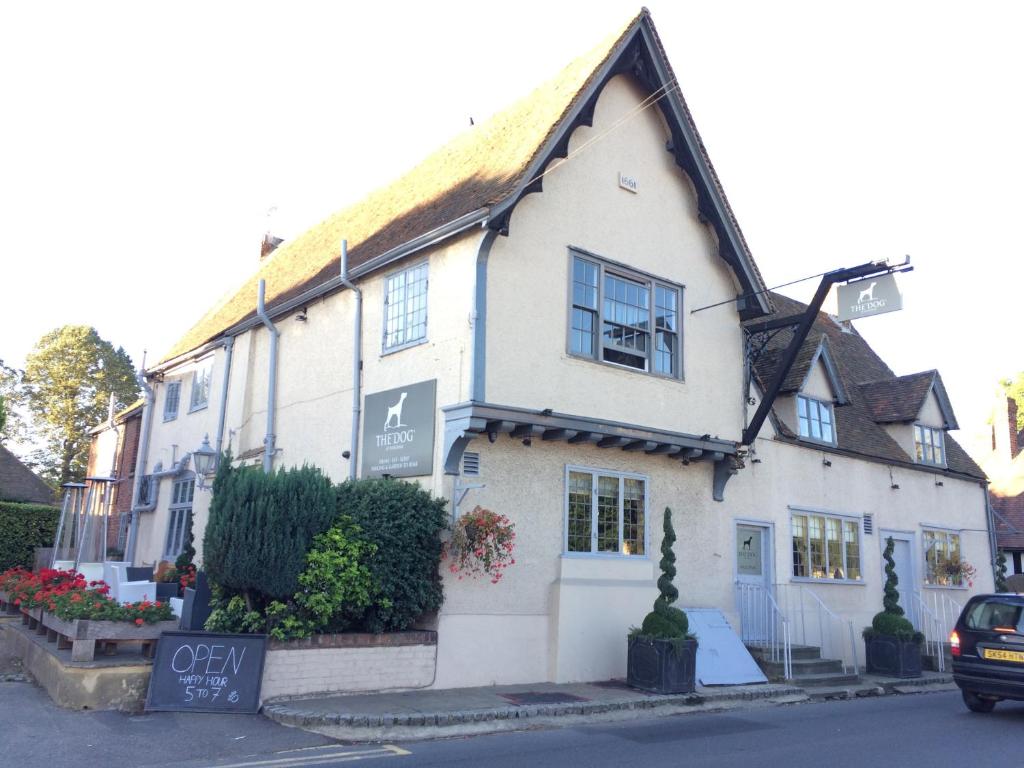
x: 207, y: 672
x: 873, y: 296
x: 398, y: 431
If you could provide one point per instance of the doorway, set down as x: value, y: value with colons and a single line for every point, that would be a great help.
x: 903, y: 557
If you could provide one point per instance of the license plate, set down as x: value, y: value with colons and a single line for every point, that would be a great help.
x: 997, y: 655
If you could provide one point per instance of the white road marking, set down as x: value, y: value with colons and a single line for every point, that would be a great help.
x: 323, y: 755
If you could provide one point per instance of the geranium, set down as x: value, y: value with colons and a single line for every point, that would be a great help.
x: 482, y: 543
x: 958, y: 571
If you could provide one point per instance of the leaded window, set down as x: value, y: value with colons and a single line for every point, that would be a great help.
x: 825, y: 547
x: 930, y: 445
x: 941, y: 558
x: 624, y: 318
x: 405, y: 307
x: 606, y: 512
x: 179, y: 518
x: 815, y: 419
x: 171, y: 400
x: 201, y: 385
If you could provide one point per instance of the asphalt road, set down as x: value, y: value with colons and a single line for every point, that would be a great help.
x: 932, y: 730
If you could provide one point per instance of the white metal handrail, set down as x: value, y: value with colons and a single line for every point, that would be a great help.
x: 946, y: 609
x: 928, y: 624
x: 815, y: 624
x: 763, y: 624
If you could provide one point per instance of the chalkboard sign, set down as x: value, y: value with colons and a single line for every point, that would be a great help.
x: 207, y: 672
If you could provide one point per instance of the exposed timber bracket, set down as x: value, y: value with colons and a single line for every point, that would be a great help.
x: 759, y: 334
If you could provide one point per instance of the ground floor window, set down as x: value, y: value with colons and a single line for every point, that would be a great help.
x: 605, y: 512
x: 941, y: 558
x: 825, y: 547
x: 180, y: 518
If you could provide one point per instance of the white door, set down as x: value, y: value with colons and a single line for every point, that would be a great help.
x: 753, y: 579
x: 903, y: 557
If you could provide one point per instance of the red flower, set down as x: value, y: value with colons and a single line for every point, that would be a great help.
x: 139, y: 622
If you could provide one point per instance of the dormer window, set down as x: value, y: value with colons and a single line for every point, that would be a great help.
x: 815, y: 419
x: 930, y: 445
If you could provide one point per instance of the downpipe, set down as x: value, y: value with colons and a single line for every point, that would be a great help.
x: 140, y: 460
x: 357, y: 361
x: 270, y: 439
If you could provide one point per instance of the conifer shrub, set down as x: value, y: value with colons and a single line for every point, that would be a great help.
x: 665, y: 621
x: 23, y: 527
x: 1000, y: 572
x: 891, y: 621
x: 404, y: 523
x: 261, y: 527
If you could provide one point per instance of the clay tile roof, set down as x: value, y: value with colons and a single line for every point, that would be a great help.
x: 897, y: 399
x: 1009, y: 517
x: 857, y: 429
x: 19, y: 483
x: 479, y: 169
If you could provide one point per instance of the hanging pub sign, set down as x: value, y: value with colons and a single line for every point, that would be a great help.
x: 874, y: 296
x: 398, y: 431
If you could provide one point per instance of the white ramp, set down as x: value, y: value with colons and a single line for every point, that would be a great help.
x: 722, y: 659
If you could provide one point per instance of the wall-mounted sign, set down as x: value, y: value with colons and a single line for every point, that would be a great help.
x: 874, y: 296
x: 629, y: 183
x: 207, y: 672
x: 749, y: 551
x: 398, y: 431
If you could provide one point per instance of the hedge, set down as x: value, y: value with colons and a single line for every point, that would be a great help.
x: 23, y: 527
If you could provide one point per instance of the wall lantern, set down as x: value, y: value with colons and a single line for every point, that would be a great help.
x: 205, y: 459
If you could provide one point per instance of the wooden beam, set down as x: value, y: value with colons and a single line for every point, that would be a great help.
x: 611, y: 441
x: 558, y: 434
x: 663, y: 448
x: 640, y: 445
x: 582, y: 437
x: 527, y: 430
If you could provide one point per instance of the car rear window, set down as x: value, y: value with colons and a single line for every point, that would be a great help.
x: 993, y: 613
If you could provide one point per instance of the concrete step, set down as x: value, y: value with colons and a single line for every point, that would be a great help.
x: 775, y: 669
x: 825, y: 679
x: 801, y: 652
x: 859, y: 690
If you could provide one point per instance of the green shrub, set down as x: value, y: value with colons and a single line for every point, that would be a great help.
x: 261, y: 526
x: 404, y: 523
x: 23, y: 527
x: 1000, y: 572
x: 665, y: 621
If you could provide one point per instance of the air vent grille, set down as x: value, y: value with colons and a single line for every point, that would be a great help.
x: 869, y: 524
x: 471, y: 464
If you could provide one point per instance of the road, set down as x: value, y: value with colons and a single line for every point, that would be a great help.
x: 932, y: 730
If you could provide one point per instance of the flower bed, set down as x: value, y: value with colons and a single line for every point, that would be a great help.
x: 81, y: 635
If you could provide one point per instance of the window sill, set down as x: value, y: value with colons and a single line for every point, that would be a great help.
x: 197, y: 408
x: 961, y: 587
x: 603, y: 556
x: 170, y: 418
x: 625, y: 368
x: 810, y: 580
x: 400, y: 347
x: 814, y: 441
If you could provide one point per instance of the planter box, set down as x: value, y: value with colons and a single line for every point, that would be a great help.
x: 81, y: 635
x: 7, y: 605
x: 165, y: 590
x: 655, y: 665
x: 886, y: 655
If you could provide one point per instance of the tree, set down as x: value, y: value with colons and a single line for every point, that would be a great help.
x: 68, y: 380
x: 12, y: 428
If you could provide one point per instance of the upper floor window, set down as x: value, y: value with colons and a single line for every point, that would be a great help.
x: 405, y: 307
x: 825, y: 547
x: 201, y: 386
x: 180, y: 518
x: 171, y: 400
x: 624, y: 318
x: 606, y: 512
x: 815, y: 419
x: 929, y: 445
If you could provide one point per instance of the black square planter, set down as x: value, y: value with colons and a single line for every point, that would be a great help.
x: 165, y: 590
x: 195, y: 609
x: 655, y: 665
x: 887, y: 655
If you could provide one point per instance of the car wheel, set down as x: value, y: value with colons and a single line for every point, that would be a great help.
x: 977, y: 704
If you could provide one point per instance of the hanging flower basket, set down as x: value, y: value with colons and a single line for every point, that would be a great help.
x: 481, y: 545
x: 958, y: 572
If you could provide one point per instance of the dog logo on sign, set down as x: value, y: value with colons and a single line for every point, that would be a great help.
x: 868, y: 294
x: 395, y: 412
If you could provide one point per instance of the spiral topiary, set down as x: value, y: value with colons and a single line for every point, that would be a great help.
x: 665, y: 621
x: 1000, y: 572
x: 891, y: 620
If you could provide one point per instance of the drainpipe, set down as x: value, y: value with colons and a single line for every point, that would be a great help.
x: 357, y: 361
x: 268, y: 441
x: 140, y: 461
x: 229, y: 348
x: 478, y: 352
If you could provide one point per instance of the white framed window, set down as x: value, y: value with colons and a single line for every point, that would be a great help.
x: 929, y: 445
x: 605, y: 512
x: 171, y: 400
x: 825, y: 547
x: 180, y: 517
x: 405, y: 307
x: 815, y: 419
x: 625, y: 318
x: 941, y: 550
x: 201, y: 385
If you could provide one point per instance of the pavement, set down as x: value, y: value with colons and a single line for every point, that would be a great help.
x: 427, y: 714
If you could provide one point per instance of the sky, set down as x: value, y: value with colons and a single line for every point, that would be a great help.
x: 147, y: 147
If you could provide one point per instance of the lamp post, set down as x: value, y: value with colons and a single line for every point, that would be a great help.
x: 206, y: 460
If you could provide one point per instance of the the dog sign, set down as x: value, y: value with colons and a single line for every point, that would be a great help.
x: 398, y: 431
x: 874, y: 296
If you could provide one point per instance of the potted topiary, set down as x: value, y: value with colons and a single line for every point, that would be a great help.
x: 891, y: 645
x: 662, y: 656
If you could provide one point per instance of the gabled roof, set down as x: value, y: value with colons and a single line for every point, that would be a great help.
x: 480, y: 176
x: 810, y: 353
x: 855, y: 363
x: 902, y: 398
x: 19, y: 483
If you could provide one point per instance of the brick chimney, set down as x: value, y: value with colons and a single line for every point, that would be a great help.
x: 270, y: 243
x: 1006, y: 439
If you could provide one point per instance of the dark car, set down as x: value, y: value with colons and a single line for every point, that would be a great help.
x: 988, y: 650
